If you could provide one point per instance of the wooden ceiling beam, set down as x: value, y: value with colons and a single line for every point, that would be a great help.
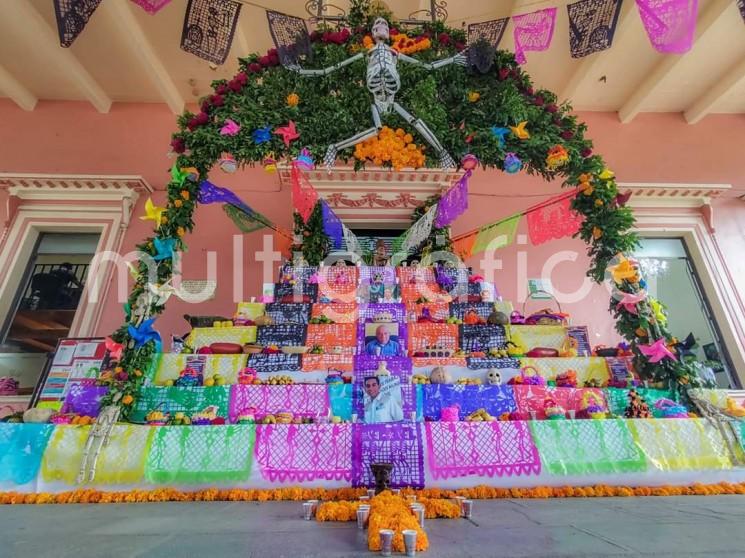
x: 720, y: 88
x: 16, y: 90
x: 121, y: 16
x: 23, y: 15
x: 644, y: 90
x: 594, y: 62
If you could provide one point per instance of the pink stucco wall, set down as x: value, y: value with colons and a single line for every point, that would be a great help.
x: 72, y: 138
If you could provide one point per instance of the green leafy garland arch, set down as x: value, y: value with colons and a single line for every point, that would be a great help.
x: 459, y: 105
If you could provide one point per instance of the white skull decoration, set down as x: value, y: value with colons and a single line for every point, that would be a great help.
x: 380, y: 29
x: 493, y: 377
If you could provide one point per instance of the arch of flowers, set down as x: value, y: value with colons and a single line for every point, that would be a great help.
x: 461, y: 106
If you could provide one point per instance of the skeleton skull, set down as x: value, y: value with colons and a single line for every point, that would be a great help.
x: 493, y: 377
x: 380, y: 30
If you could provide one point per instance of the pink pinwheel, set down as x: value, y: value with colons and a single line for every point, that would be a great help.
x: 115, y: 349
x: 657, y: 351
x: 629, y: 301
x: 230, y: 128
x: 288, y: 133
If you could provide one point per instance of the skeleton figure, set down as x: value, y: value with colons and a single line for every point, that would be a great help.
x: 383, y: 81
x: 98, y: 437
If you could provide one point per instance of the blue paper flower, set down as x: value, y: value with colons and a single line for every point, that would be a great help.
x: 164, y: 248
x: 145, y: 333
x: 500, y: 132
x: 262, y: 135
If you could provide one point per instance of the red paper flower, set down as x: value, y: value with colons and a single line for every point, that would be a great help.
x: 552, y: 108
x: 205, y: 106
x: 274, y: 59
x: 529, y: 91
x: 241, y: 77
x: 538, y: 101
x: 503, y: 73
x: 221, y: 89
x: 444, y: 38
x: 393, y: 32
x: 586, y: 152
x: 178, y: 145
x: 217, y: 100
x: 567, y: 134
x: 235, y: 85
x: 254, y: 67
x: 202, y: 118
x: 265, y: 61
x: 459, y: 46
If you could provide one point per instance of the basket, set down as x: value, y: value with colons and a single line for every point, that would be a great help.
x: 553, y: 410
x: 670, y: 409
x: 592, y: 404
x: 546, y: 316
x: 528, y: 376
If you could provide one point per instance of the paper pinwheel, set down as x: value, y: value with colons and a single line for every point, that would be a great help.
x: 115, y: 349
x: 629, y: 301
x: 624, y: 271
x: 288, y: 133
x: 500, y: 132
x: 164, y: 248
x: 144, y: 333
x: 520, y: 131
x: 153, y: 212
x: 262, y: 135
x: 657, y: 351
x: 230, y: 128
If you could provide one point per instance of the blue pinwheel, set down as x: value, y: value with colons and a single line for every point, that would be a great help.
x: 145, y: 333
x: 262, y: 135
x: 500, y: 133
x: 164, y: 248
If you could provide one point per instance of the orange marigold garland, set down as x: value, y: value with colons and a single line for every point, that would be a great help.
x: 395, y: 148
x: 90, y: 496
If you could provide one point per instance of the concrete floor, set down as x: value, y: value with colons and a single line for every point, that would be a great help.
x: 614, y: 527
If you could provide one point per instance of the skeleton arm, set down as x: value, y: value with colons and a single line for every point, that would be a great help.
x: 330, y: 69
x: 459, y: 59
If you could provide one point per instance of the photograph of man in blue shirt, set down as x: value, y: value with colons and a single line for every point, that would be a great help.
x: 382, y: 345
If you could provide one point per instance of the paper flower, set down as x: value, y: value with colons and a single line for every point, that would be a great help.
x: 500, y: 132
x: 164, y: 248
x: 228, y: 163
x: 473, y: 96
x: 520, y: 131
x: 304, y: 160
x: 624, y: 271
x: 288, y: 133
x: 293, y: 100
x: 629, y: 301
x: 262, y: 135
x: 557, y: 156
x: 230, y: 128
x: 153, y: 212
x: 144, y: 333
x: 512, y: 163
x: 115, y: 349
x: 657, y: 351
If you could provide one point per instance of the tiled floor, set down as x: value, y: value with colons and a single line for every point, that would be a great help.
x: 574, y: 528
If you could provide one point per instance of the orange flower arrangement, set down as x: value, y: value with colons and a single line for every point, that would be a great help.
x: 337, y: 511
x: 408, y: 45
x: 557, y: 157
x: 90, y: 496
x: 392, y: 512
x: 395, y: 148
x: 402, y: 43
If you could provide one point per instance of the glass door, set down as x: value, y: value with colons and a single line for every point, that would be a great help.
x: 672, y: 279
x: 45, y: 305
